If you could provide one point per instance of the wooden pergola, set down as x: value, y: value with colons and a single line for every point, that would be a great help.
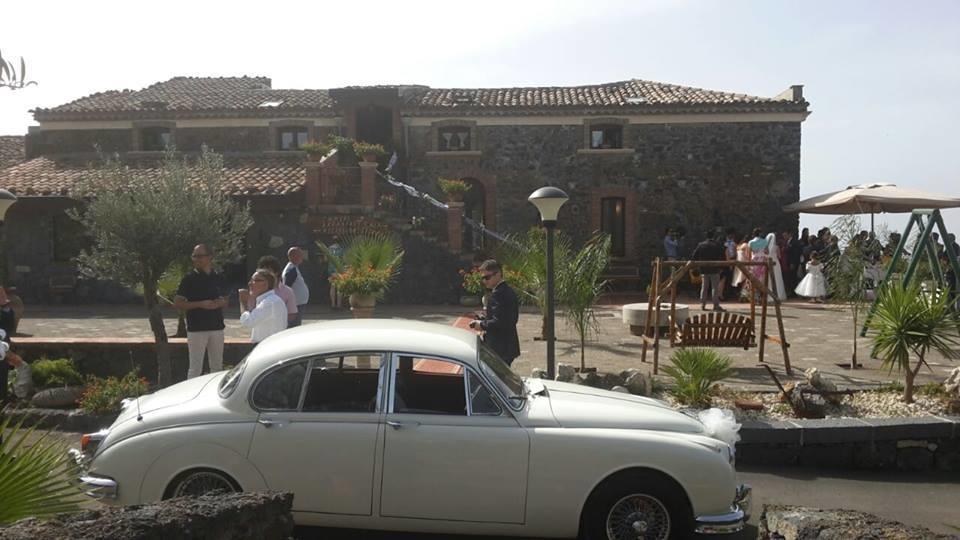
x: 659, y: 289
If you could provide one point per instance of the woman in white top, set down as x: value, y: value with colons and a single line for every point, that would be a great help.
x: 270, y: 314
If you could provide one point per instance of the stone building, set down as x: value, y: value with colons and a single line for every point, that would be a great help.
x: 634, y: 156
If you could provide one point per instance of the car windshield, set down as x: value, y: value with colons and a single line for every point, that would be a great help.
x: 230, y: 380
x: 509, y: 383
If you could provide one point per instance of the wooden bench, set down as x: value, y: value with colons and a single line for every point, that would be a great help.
x: 717, y: 330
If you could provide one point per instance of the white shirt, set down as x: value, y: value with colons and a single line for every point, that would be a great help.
x: 268, y: 318
x: 299, y: 286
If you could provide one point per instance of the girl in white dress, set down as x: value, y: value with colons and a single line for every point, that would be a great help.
x: 814, y: 285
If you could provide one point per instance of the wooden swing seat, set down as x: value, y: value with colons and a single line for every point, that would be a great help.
x: 716, y: 330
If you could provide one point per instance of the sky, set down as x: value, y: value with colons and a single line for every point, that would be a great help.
x: 882, y: 77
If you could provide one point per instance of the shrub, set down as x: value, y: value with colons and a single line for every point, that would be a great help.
x: 49, y: 373
x: 361, y: 148
x: 35, y: 474
x: 695, y: 371
x: 472, y: 282
x: 104, y: 395
x: 453, y: 187
x: 316, y: 147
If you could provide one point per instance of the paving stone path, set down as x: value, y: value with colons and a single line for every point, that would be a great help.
x: 819, y: 336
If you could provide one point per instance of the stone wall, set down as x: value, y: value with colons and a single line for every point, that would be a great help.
x: 690, y: 176
x: 237, y: 516
x: 78, y: 141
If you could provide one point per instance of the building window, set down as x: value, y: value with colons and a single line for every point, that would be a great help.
x: 292, y: 138
x: 155, y: 139
x: 613, y: 222
x: 606, y: 136
x: 453, y: 138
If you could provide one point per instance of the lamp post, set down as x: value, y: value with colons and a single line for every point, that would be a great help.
x: 548, y: 201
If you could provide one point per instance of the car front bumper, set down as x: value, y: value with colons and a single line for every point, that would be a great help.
x: 732, y: 521
x: 97, y: 487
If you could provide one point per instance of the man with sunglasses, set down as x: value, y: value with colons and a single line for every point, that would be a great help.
x: 499, y: 322
x: 203, y: 295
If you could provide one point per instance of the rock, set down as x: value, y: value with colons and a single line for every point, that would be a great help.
x: 817, y: 381
x: 592, y: 378
x: 238, y: 516
x: 538, y: 373
x: 952, y: 384
x: 953, y: 407
x: 638, y: 383
x: 809, y: 405
x: 565, y: 372
x: 800, y: 523
x: 625, y: 374
x: 57, y: 397
x: 621, y: 389
x: 609, y: 380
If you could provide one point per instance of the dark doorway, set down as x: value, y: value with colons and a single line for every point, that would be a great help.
x: 613, y: 222
x: 375, y: 125
x: 475, y: 208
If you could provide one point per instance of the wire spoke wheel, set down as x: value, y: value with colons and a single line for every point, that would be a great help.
x: 202, y: 482
x: 638, y: 516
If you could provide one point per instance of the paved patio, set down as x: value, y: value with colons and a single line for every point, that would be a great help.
x: 819, y: 336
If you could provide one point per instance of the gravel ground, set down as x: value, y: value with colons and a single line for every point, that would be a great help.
x: 867, y: 404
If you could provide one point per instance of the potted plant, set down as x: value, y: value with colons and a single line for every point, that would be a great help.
x: 369, y: 152
x: 315, y: 150
x: 454, y: 189
x: 365, y: 270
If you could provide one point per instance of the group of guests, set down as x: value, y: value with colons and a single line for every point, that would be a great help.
x: 273, y: 301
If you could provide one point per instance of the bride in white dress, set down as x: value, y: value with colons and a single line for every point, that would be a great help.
x: 774, y: 250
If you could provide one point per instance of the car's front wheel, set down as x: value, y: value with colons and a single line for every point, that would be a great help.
x: 200, y: 482
x: 637, y: 505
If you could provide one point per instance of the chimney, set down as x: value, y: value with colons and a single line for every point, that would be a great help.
x: 794, y: 93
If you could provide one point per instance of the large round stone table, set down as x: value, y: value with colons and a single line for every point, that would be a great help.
x: 636, y: 316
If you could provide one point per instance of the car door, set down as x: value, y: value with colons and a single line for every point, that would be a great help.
x: 452, y: 451
x: 316, y: 434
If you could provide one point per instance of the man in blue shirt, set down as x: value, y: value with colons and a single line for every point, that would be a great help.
x: 671, y: 245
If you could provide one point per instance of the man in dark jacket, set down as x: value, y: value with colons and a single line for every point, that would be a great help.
x: 709, y: 250
x: 499, y: 322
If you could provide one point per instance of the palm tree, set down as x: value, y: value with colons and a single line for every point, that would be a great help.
x: 378, y: 252
x: 35, y: 477
x: 908, y: 320
x: 525, y: 257
x: 579, y: 286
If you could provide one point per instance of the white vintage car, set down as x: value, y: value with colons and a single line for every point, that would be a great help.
x: 411, y: 426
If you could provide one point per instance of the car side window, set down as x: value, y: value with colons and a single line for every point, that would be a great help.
x: 280, y: 389
x: 481, y: 401
x: 429, y: 386
x: 344, y: 383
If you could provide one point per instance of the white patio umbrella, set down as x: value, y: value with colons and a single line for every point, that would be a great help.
x: 871, y: 199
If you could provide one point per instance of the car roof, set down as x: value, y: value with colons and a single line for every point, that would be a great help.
x: 366, y: 335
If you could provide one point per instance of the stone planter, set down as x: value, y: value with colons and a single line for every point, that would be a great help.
x: 635, y: 315
x: 469, y: 300
x: 454, y: 197
x: 370, y: 158
x: 314, y: 156
x: 363, y: 305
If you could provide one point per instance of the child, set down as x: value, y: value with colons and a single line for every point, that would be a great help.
x: 814, y: 285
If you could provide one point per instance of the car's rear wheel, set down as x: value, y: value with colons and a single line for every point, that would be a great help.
x: 200, y: 482
x: 637, y: 505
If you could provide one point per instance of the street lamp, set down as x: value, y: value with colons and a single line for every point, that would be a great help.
x: 548, y: 201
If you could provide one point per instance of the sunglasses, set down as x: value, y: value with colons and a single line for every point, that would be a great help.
x: 487, y: 277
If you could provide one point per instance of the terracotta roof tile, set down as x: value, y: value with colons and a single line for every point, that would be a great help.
x: 197, y: 94
x: 12, y: 150
x: 248, y: 176
x: 253, y: 96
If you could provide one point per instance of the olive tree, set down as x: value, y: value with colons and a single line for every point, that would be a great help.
x: 143, y: 220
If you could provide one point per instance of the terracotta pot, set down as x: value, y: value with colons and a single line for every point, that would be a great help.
x: 454, y: 197
x: 370, y: 158
x: 314, y: 156
x: 362, y: 305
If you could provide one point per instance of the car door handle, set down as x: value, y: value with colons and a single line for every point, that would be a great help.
x: 397, y: 425
x: 269, y: 423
